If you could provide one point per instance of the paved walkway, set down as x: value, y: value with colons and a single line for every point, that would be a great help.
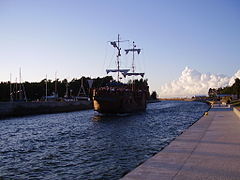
x: 210, y: 149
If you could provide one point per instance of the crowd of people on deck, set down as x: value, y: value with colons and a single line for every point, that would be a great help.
x: 117, y: 90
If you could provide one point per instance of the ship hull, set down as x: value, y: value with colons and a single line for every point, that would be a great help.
x: 119, y: 104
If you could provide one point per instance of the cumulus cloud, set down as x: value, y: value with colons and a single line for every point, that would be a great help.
x: 192, y: 82
x: 232, y: 80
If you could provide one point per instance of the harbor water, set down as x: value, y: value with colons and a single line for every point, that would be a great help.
x: 87, y: 145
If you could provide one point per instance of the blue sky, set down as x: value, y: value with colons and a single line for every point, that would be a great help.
x: 70, y: 37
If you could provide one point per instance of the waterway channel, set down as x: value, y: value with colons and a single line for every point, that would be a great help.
x: 87, y: 145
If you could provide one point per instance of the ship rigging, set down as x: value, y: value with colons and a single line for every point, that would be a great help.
x: 118, y: 97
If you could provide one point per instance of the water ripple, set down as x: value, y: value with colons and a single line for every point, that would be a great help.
x: 87, y: 145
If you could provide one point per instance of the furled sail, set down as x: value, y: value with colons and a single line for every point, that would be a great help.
x: 133, y: 74
x: 133, y: 50
x: 123, y: 71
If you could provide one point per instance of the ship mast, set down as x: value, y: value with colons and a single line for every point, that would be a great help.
x: 118, y: 55
x: 116, y: 44
x: 133, y: 50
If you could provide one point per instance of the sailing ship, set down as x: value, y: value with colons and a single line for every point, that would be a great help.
x: 117, y: 97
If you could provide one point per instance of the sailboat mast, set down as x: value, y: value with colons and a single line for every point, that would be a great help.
x: 16, y: 89
x: 55, y: 89
x: 46, y: 89
x: 20, y: 85
x: 11, y: 95
x: 118, y: 63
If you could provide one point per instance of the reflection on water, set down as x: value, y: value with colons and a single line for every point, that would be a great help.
x: 105, y: 117
x: 88, y: 145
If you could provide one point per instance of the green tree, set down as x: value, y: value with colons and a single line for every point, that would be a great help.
x: 236, y: 87
x: 37, y: 90
x: 154, y: 95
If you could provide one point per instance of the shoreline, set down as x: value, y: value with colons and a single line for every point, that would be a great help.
x: 19, y: 109
x: 153, y: 101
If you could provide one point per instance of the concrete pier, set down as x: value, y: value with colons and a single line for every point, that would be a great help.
x: 210, y: 149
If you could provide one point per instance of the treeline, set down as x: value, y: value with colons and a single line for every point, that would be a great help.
x: 37, y: 90
x: 231, y: 90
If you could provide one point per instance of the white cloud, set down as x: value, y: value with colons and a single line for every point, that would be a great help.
x: 192, y: 82
x: 236, y: 75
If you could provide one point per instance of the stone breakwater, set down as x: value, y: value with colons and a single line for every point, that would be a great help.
x: 11, y: 109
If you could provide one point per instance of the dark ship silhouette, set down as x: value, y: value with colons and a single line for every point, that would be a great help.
x: 117, y: 97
